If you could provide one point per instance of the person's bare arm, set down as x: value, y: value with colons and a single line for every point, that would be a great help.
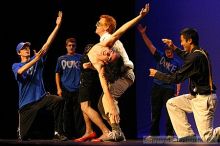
x: 52, y: 36
x: 28, y: 65
x: 87, y: 65
x: 58, y: 84
x: 113, y: 111
x: 146, y: 39
x: 45, y: 47
x: 117, y: 34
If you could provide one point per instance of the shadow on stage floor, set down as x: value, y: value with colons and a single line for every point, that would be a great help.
x: 9, y: 142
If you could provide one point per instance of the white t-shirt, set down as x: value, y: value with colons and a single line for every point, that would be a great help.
x: 118, y: 46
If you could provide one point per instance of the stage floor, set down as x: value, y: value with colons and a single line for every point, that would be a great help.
x: 11, y: 142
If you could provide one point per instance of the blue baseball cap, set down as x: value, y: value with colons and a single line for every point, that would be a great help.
x: 21, y: 45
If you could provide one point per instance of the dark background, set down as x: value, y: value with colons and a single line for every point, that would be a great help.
x: 33, y: 21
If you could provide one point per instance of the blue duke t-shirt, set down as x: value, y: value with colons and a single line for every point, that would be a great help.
x: 165, y: 65
x: 69, y: 68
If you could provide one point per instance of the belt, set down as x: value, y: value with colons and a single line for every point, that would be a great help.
x: 206, y: 93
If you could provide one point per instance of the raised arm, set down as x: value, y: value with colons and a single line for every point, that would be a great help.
x: 53, y: 34
x: 31, y: 63
x: 45, y: 47
x: 117, y: 34
x: 147, y: 41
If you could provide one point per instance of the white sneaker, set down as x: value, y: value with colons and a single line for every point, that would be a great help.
x: 115, y: 136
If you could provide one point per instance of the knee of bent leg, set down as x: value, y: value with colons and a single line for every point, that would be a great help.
x: 84, y: 106
x: 55, y: 99
x: 169, y: 103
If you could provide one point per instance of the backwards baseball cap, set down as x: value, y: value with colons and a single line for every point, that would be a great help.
x: 21, y: 45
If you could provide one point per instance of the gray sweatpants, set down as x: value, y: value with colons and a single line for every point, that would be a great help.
x: 116, y: 89
x: 203, y: 108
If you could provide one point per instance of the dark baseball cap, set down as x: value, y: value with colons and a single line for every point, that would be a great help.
x: 21, y: 45
x: 167, y: 48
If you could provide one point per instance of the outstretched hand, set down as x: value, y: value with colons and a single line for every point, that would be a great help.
x: 145, y: 10
x: 169, y: 43
x: 152, y: 72
x: 141, y: 29
x: 59, y: 18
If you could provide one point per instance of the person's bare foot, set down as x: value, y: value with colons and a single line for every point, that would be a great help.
x: 103, y: 136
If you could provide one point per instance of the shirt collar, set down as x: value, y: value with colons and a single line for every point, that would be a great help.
x: 195, y: 48
x: 104, y: 36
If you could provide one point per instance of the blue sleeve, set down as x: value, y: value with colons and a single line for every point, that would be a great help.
x: 15, y: 68
x: 58, y: 66
x: 157, y: 55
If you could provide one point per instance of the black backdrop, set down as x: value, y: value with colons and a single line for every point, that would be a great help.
x: 33, y: 20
